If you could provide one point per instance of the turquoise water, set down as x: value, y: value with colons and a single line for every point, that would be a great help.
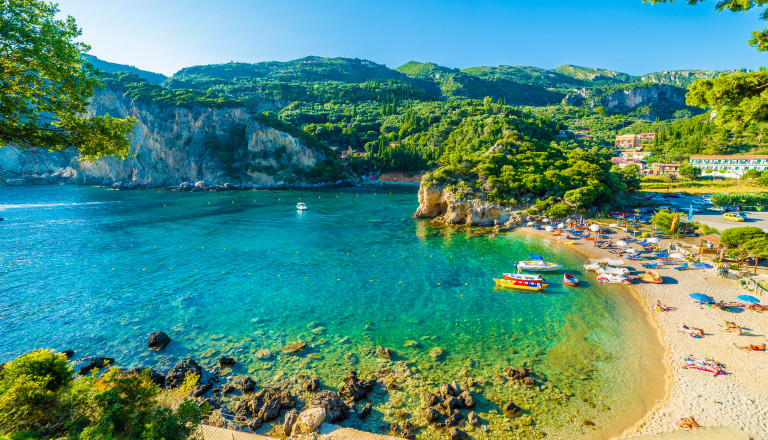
x: 230, y: 273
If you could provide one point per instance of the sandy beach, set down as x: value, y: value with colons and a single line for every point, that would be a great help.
x: 739, y: 398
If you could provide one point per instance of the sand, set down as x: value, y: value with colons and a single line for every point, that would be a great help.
x: 739, y: 398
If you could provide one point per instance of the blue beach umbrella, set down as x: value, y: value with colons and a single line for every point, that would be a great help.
x: 700, y: 297
x: 700, y: 265
x: 748, y: 299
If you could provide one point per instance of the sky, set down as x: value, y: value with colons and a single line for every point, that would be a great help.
x: 624, y: 35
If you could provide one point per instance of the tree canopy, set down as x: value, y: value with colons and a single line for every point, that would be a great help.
x: 739, y: 98
x: 736, y: 237
x: 45, y: 85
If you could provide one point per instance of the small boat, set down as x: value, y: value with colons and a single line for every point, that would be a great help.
x: 651, y: 276
x: 605, y: 277
x: 520, y: 284
x: 301, y: 206
x: 595, y: 264
x: 612, y: 270
x: 537, y: 266
x: 523, y: 277
x: 570, y: 280
x: 557, y: 232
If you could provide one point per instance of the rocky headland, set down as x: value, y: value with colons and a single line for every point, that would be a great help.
x: 446, y: 206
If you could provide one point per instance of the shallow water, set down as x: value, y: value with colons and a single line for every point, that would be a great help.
x: 230, y: 273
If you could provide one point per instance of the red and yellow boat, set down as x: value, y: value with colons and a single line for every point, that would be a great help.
x: 521, y: 281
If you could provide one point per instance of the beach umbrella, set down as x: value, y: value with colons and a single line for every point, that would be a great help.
x: 653, y: 240
x: 630, y: 250
x: 561, y: 225
x: 531, y: 223
x: 676, y: 255
x: 546, y: 220
x: 748, y: 299
x: 613, y: 225
x: 700, y: 265
x: 594, y: 228
x: 621, y: 243
x: 548, y: 228
x: 700, y: 297
x: 568, y: 220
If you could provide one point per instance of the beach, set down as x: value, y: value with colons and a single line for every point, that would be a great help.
x: 739, y: 398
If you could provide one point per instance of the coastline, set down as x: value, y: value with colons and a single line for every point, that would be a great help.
x: 739, y: 398
x: 654, y: 393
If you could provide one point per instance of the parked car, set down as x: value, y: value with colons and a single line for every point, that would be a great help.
x: 733, y: 216
x: 676, y: 195
x: 716, y: 209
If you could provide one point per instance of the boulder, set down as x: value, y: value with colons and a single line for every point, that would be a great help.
x: 445, y: 391
x: 270, y: 410
x: 456, y: 388
x: 354, y: 388
x: 294, y: 348
x: 68, y: 353
x: 97, y: 362
x: 290, y: 418
x: 178, y: 374
x: 244, y: 383
x: 226, y: 361
x: 511, y: 410
x: 383, y: 352
x: 365, y: 411
x: 309, y: 420
x: 335, y: 408
x: 455, y: 419
x: 466, y: 399
x: 429, y: 399
x: 450, y: 403
x: 157, y: 378
x: 312, y: 384
x: 227, y: 389
x: 242, y: 411
x: 473, y: 418
x: 430, y: 414
x: 200, y: 389
x: 516, y: 373
x: 457, y: 434
x: 529, y: 381
x: 254, y: 424
x: 158, y: 341
x: 263, y: 354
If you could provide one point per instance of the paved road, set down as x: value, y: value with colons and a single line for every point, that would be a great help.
x: 715, y: 219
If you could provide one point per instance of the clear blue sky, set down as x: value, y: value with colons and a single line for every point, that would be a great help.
x: 625, y: 35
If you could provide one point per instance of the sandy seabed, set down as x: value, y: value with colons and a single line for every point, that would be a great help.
x: 739, y: 398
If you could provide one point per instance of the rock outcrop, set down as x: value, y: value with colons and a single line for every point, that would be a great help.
x: 438, y: 203
x: 173, y: 147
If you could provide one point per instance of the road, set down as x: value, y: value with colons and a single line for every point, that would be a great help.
x: 715, y: 219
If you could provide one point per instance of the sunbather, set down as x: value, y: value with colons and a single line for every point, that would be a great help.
x: 693, y: 331
x: 753, y: 347
x: 687, y: 422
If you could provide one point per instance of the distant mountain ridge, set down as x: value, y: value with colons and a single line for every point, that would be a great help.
x: 106, y: 66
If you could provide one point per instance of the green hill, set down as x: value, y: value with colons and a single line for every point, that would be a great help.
x: 106, y: 66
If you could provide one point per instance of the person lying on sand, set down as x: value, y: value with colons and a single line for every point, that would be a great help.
x: 662, y: 307
x: 687, y: 422
x: 693, y: 331
x: 731, y: 326
x: 752, y: 347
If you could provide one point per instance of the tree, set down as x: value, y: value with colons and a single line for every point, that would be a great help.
x: 630, y: 175
x: 738, y: 98
x: 45, y: 85
x: 690, y: 172
x: 735, y: 237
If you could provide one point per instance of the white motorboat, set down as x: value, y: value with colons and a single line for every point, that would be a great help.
x: 537, y: 266
x: 301, y: 206
x: 612, y: 270
x: 595, y: 264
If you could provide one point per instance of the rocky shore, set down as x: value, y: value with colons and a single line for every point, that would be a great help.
x: 447, y: 207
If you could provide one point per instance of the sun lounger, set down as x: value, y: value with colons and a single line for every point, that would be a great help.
x: 650, y: 265
x: 683, y: 267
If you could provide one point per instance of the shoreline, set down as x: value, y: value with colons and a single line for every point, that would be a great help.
x: 738, y: 399
x: 639, y: 303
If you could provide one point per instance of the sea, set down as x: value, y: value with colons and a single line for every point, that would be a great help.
x: 97, y: 270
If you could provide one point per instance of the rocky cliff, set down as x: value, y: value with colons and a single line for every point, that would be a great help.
x: 646, y: 100
x: 187, y: 148
x: 444, y: 205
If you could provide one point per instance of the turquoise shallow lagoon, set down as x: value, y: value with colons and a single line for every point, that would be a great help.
x: 230, y: 273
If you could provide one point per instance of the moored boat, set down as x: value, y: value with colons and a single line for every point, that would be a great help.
x: 520, y: 284
x: 570, y: 280
x: 537, y: 266
x: 522, y: 277
x: 301, y: 206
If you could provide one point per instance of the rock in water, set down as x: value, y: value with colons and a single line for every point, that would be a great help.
x: 68, y: 353
x: 429, y: 399
x: 365, y: 411
x: 270, y: 410
x: 294, y: 348
x: 335, y: 408
x: 457, y: 434
x: 511, y: 410
x: 430, y: 414
x: 290, y: 418
x: 309, y: 420
x: 354, y: 388
x: 312, y: 384
x: 383, y: 352
x: 263, y: 354
x: 226, y: 361
x: 97, y: 362
x: 466, y: 399
x: 244, y: 383
x: 178, y: 374
x: 473, y: 418
x: 158, y: 341
x: 201, y: 389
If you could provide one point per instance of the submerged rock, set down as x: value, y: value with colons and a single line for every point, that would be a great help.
x: 354, y: 388
x: 511, y: 410
x: 365, y: 411
x: 158, y: 341
x: 383, y: 352
x: 516, y: 373
x: 97, y: 362
x: 312, y: 384
x: 294, y: 348
x: 473, y: 418
x: 457, y: 434
x: 430, y: 414
x: 466, y: 399
x: 244, y: 383
x: 226, y: 361
x: 68, y: 353
x: 263, y: 354
x: 201, y: 389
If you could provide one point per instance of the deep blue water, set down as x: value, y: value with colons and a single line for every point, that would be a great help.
x: 229, y: 273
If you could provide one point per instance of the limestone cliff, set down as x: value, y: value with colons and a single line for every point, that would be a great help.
x: 444, y: 205
x: 656, y: 100
x: 188, y: 148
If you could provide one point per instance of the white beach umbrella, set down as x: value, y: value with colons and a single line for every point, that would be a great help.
x: 594, y: 228
x: 548, y: 228
x: 653, y: 240
x: 546, y: 220
x: 676, y: 255
x: 568, y: 220
x: 613, y: 225
x: 630, y: 250
x: 531, y: 223
x: 561, y: 225
x: 621, y: 243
